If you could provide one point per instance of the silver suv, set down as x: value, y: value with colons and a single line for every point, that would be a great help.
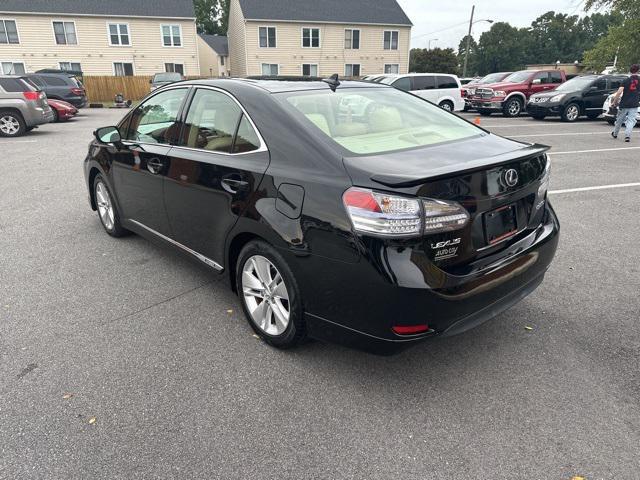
x: 22, y: 106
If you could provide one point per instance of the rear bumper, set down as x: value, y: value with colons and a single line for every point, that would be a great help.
x: 78, y: 102
x: 37, y: 116
x: 354, y: 305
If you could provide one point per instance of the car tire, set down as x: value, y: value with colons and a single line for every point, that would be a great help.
x: 11, y: 124
x: 485, y: 113
x: 538, y: 117
x: 446, y: 105
x: 512, y: 107
x: 275, y: 313
x: 571, y: 112
x: 56, y: 117
x: 106, y: 207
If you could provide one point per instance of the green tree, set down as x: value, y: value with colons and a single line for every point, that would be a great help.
x: 472, y: 62
x: 502, y: 48
x: 212, y: 16
x: 437, y: 60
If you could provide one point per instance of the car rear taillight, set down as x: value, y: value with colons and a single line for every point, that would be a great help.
x: 443, y: 216
x: 31, y: 95
x: 77, y: 91
x: 544, y: 181
x: 385, y: 214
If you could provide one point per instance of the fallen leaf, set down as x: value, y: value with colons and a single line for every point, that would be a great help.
x: 528, y: 328
x: 229, y: 311
x: 256, y: 336
x: 92, y: 420
x: 67, y: 396
x: 577, y: 478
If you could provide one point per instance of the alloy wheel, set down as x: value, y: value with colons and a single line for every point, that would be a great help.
x: 514, y: 108
x: 265, y: 295
x: 446, y: 106
x: 9, y: 125
x: 105, y: 206
x: 572, y: 113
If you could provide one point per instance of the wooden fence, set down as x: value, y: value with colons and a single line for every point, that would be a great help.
x: 105, y: 88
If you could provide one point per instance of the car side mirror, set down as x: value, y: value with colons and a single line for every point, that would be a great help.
x: 536, y: 81
x: 109, y: 135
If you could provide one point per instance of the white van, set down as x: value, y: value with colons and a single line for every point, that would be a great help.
x: 442, y: 89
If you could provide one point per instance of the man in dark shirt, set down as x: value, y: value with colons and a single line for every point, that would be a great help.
x: 628, y: 105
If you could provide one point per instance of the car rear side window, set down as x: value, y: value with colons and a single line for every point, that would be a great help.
x: 447, y: 82
x: 55, y: 81
x: 14, y: 85
x: 155, y: 121
x: 424, y: 83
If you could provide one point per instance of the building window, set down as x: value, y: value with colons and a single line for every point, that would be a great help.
x: 65, y: 33
x: 311, y: 37
x: 267, y: 37
x: 123, y: 69
x: 351, y: 39
x: 12, y: 68
x: 391, y: 40
x: 70, y: 66
x: 270, y: 69
x: 174, y: 68
x: 391, y: 68
x: 310, y: 69
x: 171, y: 35
x: 352, y: 70
x: 118, y: 34
x: 222, y: 60
x: 8, y: 32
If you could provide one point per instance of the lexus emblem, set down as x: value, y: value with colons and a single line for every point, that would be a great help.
x: 510, y: 177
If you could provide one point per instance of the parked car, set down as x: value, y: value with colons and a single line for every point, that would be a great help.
x: 441, y: 89
x: 62, y: 111
x: 164, y: 78
x: 580, y: 96
x: 61, y: 86
x: 379, y: 232
x: 511, y: 95
x: 608, y: 115
x: 470, y: 88
x: 22, y: 106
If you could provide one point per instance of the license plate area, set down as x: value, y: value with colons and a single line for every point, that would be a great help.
x: 500, y: 224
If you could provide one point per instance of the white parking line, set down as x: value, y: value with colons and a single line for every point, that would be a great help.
x: 573, y: 152
x: 560, y: 134
x: 599, y: 187
x: 17, y: 141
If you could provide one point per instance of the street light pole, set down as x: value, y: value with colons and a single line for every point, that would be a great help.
x: 466, y: 52
x: 429, y: 44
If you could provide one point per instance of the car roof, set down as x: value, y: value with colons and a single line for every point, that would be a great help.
x: 276, y: 86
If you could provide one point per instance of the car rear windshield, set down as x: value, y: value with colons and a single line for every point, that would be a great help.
x: 167, y: 77
x: 368, y: 121
x: 519, y: 77
x: 15, y: 85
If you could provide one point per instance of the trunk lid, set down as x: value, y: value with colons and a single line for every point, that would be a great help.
x: 473, y: 174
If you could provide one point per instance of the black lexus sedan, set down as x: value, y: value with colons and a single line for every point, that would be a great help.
x: 580, y: 96
x: 346, y: 211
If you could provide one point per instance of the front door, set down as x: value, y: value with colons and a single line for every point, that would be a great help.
x: 595, y: 96
x: 140, y: 168
x: 213, y: 173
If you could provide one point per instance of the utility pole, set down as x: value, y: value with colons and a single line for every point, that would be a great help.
x: 466, y: 52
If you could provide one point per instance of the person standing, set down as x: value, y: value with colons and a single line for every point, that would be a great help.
x: 628, y: 104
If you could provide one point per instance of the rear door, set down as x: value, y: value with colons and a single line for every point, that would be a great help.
x: 139, y: 169
x: 213, y: 172
x: 425, y: 86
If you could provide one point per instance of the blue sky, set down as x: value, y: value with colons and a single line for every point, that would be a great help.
x: 430, y: 17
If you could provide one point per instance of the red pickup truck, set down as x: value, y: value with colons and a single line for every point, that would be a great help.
x: 510, y: 95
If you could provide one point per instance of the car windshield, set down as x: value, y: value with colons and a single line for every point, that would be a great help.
x: 518, y: 77
x: 167, y: 77
x: 368, y: 121
x: 491, y: 78
x: 576, y: 84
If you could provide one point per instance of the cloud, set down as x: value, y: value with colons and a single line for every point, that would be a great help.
x: 449, y: 21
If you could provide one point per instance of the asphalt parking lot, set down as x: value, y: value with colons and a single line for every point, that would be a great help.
x: 156, y: 351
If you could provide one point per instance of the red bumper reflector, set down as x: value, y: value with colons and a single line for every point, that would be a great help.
x: 410, y: 329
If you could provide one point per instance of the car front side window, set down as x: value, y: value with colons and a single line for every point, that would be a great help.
x: 156, y: 120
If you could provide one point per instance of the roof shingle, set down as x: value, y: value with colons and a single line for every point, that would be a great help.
x: 137, y: 8
x: 383, y: 12
x: 218, y: 43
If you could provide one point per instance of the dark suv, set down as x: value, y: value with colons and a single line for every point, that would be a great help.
x: 579, y: 96
x: 61, y: 86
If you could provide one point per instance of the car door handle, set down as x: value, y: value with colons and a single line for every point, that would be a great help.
x: 234, y: 183
x: 154, y: 165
